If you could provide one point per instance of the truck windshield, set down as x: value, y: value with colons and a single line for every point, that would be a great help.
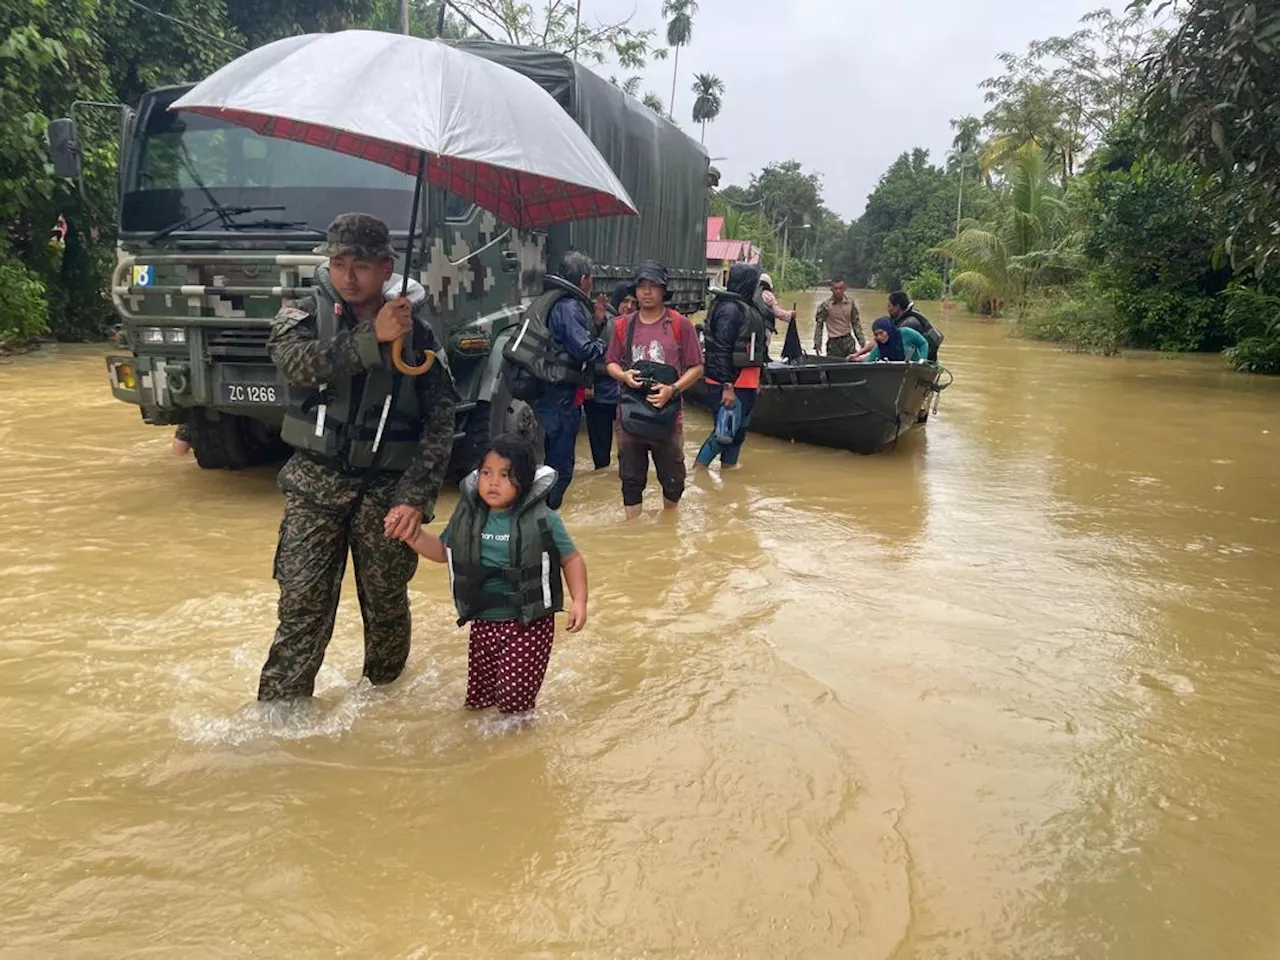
x: 181, y: 164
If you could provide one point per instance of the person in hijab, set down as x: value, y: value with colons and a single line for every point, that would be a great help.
x: 893, y: 343
x: 601, y: 407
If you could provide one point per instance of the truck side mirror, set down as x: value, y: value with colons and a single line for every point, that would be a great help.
x: 64, y: 147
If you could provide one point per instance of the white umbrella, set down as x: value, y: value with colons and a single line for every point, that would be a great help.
x: 473, y: 127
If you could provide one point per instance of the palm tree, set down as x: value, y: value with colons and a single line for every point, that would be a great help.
x: 706, y: 107
x: 653, y: 102
x: 1001, y: 262
x: 679, y: 15
x: 631, y: 86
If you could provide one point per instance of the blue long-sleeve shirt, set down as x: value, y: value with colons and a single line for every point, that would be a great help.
x: 569, y: 325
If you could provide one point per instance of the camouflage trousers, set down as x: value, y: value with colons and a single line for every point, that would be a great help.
x: 841, y: 346
x: 325, y: 516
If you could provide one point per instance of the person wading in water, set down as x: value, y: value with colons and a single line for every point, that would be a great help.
x: 655, y: 356
x: 370, y: 446
x: 735, y: 351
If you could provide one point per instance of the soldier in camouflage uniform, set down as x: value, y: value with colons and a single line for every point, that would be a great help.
x: 839, y: 315
x: 371, y: 445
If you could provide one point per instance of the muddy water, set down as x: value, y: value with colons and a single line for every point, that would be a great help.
x: 1011, y: 690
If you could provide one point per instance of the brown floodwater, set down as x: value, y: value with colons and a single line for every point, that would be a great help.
x: 1011, y: 690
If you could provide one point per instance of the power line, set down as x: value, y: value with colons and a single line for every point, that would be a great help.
x: 190, y: 26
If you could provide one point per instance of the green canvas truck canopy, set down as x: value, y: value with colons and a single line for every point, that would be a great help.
x: 663, y: 169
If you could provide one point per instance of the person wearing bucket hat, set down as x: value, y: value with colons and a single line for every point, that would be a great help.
x: 654, y: 355
x: 370, y: 451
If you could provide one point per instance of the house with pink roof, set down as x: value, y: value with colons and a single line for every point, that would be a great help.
x: 724, y: 253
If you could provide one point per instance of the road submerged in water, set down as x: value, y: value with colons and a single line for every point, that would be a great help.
x: 1009, y: 690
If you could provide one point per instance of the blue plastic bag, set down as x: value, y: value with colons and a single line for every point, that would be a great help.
x: 727, y: 422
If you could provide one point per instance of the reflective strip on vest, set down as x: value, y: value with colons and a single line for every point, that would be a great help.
x: 546, y: 579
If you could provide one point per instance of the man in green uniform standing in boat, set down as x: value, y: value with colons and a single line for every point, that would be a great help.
x: 838, y: 314
x: 371, y: 445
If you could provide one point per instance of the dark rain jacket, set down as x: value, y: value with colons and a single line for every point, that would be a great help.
x: 725, y: 322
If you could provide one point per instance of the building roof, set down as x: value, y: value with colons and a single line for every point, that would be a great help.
x: 719, y: 250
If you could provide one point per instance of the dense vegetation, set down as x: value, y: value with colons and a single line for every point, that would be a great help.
x: 1122, y: 190
x: 56, y: 245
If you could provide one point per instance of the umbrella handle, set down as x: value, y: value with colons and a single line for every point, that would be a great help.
x: 397, y: 358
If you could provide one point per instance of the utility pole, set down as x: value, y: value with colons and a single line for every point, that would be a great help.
x: 577, y: 26
x: 404, y: 16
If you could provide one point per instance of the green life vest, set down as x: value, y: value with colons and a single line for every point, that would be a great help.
x: 533, y: 578
x: 536, y: 351
x: 749, y: 348
x: 381, y: 429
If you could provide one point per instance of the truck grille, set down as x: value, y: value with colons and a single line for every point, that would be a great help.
x: 245, y: 344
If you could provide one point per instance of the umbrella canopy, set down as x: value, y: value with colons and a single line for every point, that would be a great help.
x: 489, y: 134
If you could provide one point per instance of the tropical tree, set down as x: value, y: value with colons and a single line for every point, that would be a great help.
x: 1214, y: 95
x: 558, y: 26
x: 706, y: 107
x: 653, y: 102
x: 679, y: 17
x: 1003, y: 261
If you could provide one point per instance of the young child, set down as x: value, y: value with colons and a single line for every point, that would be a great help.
x: 506, y: 549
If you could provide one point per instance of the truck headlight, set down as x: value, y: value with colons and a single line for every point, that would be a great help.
x: 175, y: 335
x: 151, y: 335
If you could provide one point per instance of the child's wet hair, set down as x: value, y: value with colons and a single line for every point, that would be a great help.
x: 519, y: 453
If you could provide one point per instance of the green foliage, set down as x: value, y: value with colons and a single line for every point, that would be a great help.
x: 23, y: 310
x: 1216, y: 101
x: 708, y: 89
x: 1082, y: 319
x: 910, y: 212
x: 927, y: 285
x: 1006, y: 260
x: 1149, y: 234
x: 1253, y: 317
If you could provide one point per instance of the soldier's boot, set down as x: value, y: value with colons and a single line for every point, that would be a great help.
x: 310, y: 561
x: 383, y: 569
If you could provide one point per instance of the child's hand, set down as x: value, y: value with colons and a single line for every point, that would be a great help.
x: 402, y: 523
x: 577, y: 616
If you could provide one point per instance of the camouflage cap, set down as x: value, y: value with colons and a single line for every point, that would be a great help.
x: 359, y: 234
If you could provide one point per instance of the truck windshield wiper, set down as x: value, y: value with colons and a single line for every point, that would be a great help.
x: 205, y: 217
x: 300, y: 226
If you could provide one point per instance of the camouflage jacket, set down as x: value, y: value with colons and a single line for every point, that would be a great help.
x: 307, y: 361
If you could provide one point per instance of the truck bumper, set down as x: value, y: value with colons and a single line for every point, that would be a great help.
x: 166, y: 387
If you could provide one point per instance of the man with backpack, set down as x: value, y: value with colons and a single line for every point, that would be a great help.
x: 655, y: 356
x: 555, y: 354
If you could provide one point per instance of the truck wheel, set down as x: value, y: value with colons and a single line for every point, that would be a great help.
x: 490, y: 418
x: 223, y: 443
x: 509, y: 415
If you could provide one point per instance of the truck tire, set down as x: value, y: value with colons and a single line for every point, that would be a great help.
x: 509, y: 415
x: 490, y: 418
x: 224, y: 442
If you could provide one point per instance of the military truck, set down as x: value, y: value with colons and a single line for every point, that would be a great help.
x: 218, y: 224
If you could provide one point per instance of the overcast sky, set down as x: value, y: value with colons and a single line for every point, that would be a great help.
x: 843, y: 86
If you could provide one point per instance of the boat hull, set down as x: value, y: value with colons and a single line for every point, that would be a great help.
x: 863, y: 407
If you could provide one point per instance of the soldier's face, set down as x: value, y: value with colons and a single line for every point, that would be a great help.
x: 837, y: 291
x: 359, y: 281
x: 496, y: 488
x: 649, y: 294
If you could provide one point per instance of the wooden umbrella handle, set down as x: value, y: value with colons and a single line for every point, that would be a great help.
x: 397, y: 358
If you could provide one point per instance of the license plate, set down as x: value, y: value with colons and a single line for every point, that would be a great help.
x: 251, y: 393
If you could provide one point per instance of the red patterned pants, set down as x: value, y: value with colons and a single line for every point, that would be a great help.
x: 506, y: 662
